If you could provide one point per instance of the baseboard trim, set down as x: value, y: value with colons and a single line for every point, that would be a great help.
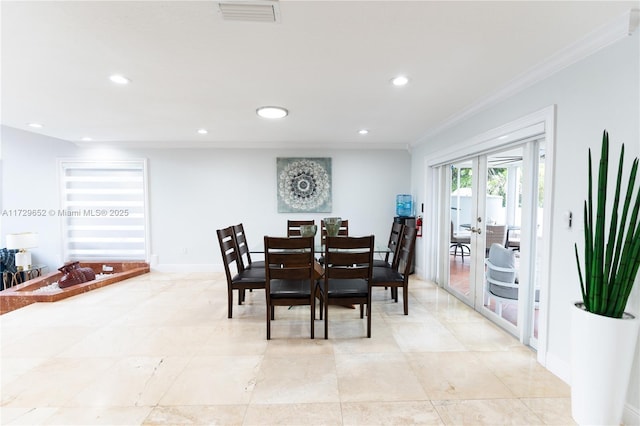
x: 186, y: 268
x: 559, y: 367
x: 631, y: 415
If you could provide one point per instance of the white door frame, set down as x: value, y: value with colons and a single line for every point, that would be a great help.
x: 536, y: 123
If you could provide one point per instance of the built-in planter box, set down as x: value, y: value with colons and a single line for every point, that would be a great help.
x: 41, y: 289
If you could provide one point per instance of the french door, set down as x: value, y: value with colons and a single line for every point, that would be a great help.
x: 496, y: 197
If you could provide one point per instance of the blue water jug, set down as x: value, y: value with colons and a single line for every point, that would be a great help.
x: 404, y: 205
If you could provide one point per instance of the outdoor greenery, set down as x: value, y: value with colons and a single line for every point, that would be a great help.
x: 496, y: 181
x: 610, y: 270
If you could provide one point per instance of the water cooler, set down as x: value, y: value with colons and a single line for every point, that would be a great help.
x: 404, y: 215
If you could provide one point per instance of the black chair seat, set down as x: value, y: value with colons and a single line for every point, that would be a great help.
x: 381, y: 263
x: 280, y: 289
x: 249, y: 276
x: 347, y: 288
x: 386, y: 275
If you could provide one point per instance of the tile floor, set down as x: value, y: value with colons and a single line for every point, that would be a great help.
x: 159, y: 350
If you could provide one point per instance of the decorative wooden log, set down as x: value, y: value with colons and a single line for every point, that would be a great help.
x: 74, y: 274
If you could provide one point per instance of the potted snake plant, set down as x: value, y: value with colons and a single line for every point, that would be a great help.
x: 604, y: 334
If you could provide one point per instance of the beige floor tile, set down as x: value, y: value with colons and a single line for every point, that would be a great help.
x: 427, y: 336
x: 483, y: 336
x: 159, y: 350
x: 44, y: 341
x: 27, y: 416
x: 131, y: 381
x: 293, y: 414
x: 196, y: 415
x: 107, y: 416
x: 213, y: 380
x: 448, y: 309
x: 382, y: 341
x: 552, y: 411
x: 14, y: 367
x: 456, y: 375
x: 393, y: 312
x: 345, y: 323
x: 109, y: 342
x: 390, y: 413
x: 486, y: 412
x: 377, y: 377
x: 199, y: 340
x: 53, y: 383
x: 299, y: 379
x: 519, y: 370
x: 296, y: 347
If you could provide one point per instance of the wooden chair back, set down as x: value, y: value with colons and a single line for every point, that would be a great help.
x: 290, y: 275
x: 229, y: 252
x: 293, y: 226
x: 343, y: 231
x: 244, y: 256
x: 406, y: 248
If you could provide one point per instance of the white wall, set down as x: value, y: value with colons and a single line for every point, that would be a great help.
x: 29, y: 181
x: 193, y: 192
x: 597, y: 93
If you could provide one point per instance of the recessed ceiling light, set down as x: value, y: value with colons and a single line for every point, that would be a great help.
x: 363, y: 131
x: 87, y: 139
x: 119, y: 79
x: 35, y: 125
x: 272, y: 112
x: 400, y: 80
x: 203, y: 131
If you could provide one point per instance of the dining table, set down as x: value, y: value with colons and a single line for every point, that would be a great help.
x: 318, y: 269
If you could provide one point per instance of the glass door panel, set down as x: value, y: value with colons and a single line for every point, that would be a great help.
x: 503, y: 213
x: 534, y: 307
x: 460, y: 186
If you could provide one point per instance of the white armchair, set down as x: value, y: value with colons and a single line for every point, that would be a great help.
x: 501, y: 276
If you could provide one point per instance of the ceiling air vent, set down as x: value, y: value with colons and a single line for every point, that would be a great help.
x: 250, y: 11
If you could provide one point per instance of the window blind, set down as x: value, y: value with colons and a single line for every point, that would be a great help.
x: 104, y: 206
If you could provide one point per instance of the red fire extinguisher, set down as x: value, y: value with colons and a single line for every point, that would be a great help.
x: 419, y: 226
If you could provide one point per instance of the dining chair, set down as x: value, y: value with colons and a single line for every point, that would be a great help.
x: 393, y: 245
x: 290, y: 276
x: 293, y: 226
x: 397, y: 276
x: 347, y: 273
x: 495, y: 234
x: 244, y: 253
x: 343, y: 232
x: 237, y: 278
x: 459, y: 241
x: 513, y: 238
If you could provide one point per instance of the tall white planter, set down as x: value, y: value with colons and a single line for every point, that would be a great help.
x: 602, y: 350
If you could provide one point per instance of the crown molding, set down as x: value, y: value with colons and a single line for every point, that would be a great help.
x: 621, y: 27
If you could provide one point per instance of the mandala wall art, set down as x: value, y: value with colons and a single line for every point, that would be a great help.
x: 304, y: 185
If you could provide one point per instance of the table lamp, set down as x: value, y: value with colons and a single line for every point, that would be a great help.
x: 22, y: 241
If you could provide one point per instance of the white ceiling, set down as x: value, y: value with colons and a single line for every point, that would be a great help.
x: 328, y: 62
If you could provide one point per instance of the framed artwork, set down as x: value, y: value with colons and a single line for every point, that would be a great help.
x: 304, y: 185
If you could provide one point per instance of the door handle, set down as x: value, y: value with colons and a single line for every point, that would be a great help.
x: 477, y: 230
